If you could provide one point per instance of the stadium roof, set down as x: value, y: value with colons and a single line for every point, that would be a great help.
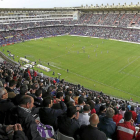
x: 109, y: 8
x: 84, y: 9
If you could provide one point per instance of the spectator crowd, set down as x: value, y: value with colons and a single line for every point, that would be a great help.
x: 38, y: 108
x: 132, y: 35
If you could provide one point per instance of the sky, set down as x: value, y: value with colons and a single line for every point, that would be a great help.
x: 58, y: 3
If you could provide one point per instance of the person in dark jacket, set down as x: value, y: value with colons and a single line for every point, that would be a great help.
x: 91, y: 132
x: 68, y: 124
x: 48, y: 115
x: 23, y: 91
x: 107, y: 125
x: 97, y: 105
x: 10, y: 89
x: 26, y: 74
x: 26, y: 119
x: 59, y: 95
x: 38, y: 100
x: 102, y: 111
x: 6, y: 132
x: 43, y: 90
x: 5, y: 104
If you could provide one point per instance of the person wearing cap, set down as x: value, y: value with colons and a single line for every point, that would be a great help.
x: 91, y: 132
x: 106, y: 124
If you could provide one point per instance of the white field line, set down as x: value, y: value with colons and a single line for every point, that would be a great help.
x: 130, y: 74
x: 105, y: 84
x: 101, y: 83
x: 129, y: 64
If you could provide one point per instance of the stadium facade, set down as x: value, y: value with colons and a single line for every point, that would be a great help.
x: 121, y: 22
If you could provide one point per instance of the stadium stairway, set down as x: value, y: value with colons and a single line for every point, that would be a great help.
x: 116, y: 19
x: 132, y: 20
x: 123, y: 16
x: 104, y: 18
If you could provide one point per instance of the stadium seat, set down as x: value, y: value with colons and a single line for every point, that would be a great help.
x: 61, y: 136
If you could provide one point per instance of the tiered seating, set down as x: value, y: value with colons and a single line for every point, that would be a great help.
x: 110, y: 19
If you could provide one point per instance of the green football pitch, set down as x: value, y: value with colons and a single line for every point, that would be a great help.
x: 109, y: 66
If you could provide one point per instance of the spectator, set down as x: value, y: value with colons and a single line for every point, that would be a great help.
x: 26, y: 119
x: 92, y: 106
x: 34, y: 74
x: 5, y: 104
x: 102, y: 111
x: 122, y: 111
x: 106, y: 124
x: 81, y: 103
x: 134, y: 114
x: 117, y: 117
x: 76, y: 97
x: 34, y: 89
x: 91, y: 131
x: 43, y: 90
x: 71, y: 103
x: 70, y: 122
x: 10, y: 89
x: 138, y: 135
x: 129, y: 106
x: 57, y: 105
x: 97, y: 105
x: 88, y: 99
x: 12, y: 132
x: 67, y: 99
x: 38, y: 100
x: 126, y: 130
x: 48, y: 115
x: 26, y: 74
x: 23, y: 91
x: 138, y: 118
x: 70, y: 94
x: 84, y: 117
x: 138, y: 109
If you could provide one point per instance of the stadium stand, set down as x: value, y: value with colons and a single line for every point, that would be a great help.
x: 23, y: 91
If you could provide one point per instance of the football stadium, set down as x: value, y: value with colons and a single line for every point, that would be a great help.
x: 66, y: 71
